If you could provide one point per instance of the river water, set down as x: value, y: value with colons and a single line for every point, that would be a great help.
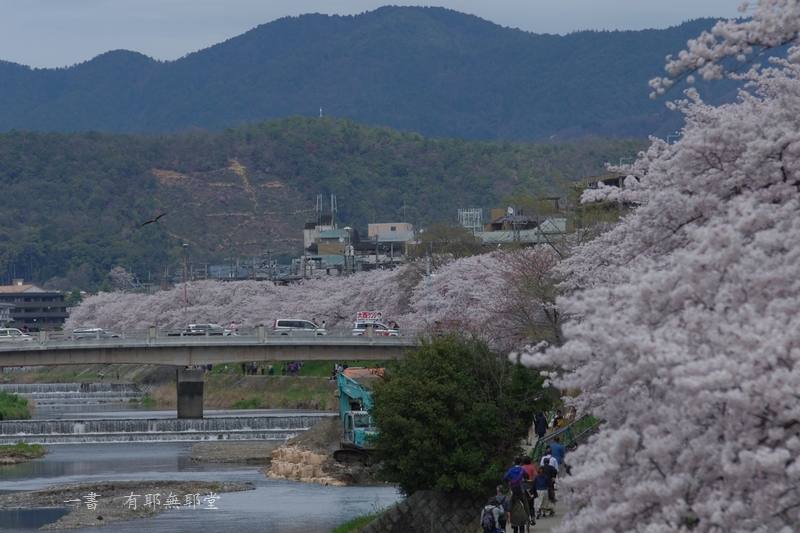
x: 274, y: 505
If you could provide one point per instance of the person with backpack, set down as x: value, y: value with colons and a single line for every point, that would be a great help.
x: 490, y: 516
x: 506, y: 503
x: 514, y: 474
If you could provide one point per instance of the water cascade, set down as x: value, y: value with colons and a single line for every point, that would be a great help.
x: 44, y: 393
x: 274, y: 427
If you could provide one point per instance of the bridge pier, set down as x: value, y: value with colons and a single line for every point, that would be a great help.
x: 190, y: 393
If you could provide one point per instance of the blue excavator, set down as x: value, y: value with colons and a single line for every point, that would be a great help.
x: 358, y: 428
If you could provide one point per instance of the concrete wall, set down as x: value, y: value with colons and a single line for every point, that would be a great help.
x: 428, y: 511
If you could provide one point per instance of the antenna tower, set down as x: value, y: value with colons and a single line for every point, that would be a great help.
x: 334, y: 209
x: 471, y: 219
x: 318, y: 210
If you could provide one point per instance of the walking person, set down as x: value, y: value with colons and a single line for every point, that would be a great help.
x: 552, y: 473
x: 490, y: 516
x: 542, y: 502
x: 528, y: 467
x: 540, y: 425
x: 514, y: 474
x: 559, y: 452
x: 558, y: 420
x: 503, y: 500
x: 529, y: 491
x: 520, y: 515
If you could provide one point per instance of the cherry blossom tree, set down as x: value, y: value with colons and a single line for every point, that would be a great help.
x: 248, y: 303
x: 504, y: 298
x: 121, y: 279
x: 688, y: 337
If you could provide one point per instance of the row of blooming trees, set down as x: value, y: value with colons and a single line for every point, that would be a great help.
x: 688, y: 342
x: 478, y: 294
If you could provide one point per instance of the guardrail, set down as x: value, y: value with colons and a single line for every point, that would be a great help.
x: 569, y: 435
x: 249, y: 336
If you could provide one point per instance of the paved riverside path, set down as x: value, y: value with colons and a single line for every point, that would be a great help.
x: 544, y: 525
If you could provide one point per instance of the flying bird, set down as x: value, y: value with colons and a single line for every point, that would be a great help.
x: 151, y: 221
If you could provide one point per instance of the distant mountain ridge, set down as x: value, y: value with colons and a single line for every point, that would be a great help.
x: 433, y: 71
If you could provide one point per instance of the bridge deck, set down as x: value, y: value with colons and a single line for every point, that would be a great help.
x: 154, y: 349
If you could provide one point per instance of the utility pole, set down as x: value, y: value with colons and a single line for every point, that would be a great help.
x: 185, y: 299
x: 427, y: 288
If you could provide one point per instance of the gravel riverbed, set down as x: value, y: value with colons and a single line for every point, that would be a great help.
x: 105, y: 502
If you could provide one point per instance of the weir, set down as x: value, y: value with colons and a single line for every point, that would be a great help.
x: 48, y: 393
x: 276, y: 427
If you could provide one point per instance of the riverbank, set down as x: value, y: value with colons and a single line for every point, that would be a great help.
x: 104, y: 502
x: 13, y: 407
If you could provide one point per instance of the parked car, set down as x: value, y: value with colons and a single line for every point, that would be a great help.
x: 13, y: 335
x: 296, y: 326
x: 200, y: 330
x: 381, y: 330
x: 93, y: 332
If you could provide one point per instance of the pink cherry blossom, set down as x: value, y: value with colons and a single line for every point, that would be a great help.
x: 688, y: 315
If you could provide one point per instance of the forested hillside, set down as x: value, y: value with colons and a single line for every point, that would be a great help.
x: 73, y: 204
x: 432, y: 71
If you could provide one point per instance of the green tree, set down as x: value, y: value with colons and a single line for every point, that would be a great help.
x: 105, y: 286
x: 75, y: 297
x: 451, y: 416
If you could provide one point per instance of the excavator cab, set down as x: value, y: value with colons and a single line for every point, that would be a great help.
x: 358, y: 430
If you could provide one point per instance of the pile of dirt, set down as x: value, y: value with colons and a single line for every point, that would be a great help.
x: 248, y: 452
x: 322, y: 438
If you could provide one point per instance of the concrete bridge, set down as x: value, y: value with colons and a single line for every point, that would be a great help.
x: 188, y: 352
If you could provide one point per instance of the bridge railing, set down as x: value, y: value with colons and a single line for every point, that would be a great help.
x: 244, y: 336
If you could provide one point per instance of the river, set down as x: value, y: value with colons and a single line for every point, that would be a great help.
x: 274, y: 505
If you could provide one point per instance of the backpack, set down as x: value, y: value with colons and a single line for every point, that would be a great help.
x: 487, y: 519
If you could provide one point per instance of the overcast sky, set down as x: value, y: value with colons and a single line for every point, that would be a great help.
x: 57, y: 33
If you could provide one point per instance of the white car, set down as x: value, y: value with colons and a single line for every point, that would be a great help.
x: 93, y: 332
x: 296, y: 326
x: 201, y: 330
x: 13, y: 335
x: 381, y: 330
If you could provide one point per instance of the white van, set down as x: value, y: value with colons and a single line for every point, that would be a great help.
x: 296, y: 326
x: 13, y: 335
x: 93, y: 332
x: 379, y: 329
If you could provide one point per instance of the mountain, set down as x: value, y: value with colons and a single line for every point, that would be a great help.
x: 433, y: 71
x: 74, y: 204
